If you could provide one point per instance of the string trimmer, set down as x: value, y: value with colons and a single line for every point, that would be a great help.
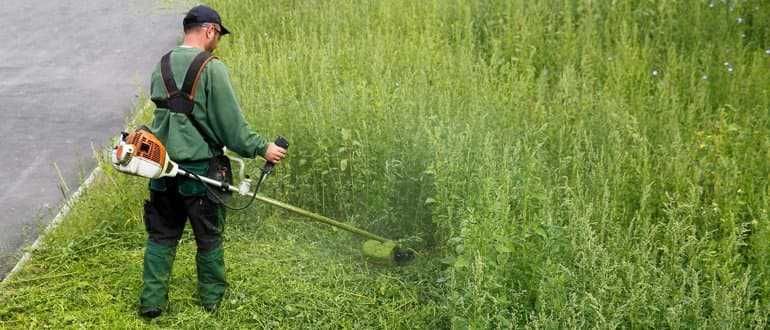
x: 140, y: 153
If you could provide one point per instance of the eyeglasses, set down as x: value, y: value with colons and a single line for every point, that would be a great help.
x: 215, y: 26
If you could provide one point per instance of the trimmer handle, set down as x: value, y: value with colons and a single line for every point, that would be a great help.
x: 281, y: 142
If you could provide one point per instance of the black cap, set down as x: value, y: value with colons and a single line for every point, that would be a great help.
x: 203, y: 14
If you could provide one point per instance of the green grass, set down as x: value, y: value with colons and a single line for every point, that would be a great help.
x: 283, y: 272
x: 557, y: 163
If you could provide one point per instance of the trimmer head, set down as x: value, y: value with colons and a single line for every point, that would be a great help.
x: 387, y: 253
x: 403, y: 256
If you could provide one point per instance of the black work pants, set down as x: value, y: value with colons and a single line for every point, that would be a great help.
x: 166, y: 212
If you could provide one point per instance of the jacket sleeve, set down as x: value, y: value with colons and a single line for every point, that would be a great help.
x: 225, y: 117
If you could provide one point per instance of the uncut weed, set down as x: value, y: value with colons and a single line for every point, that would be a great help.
x: 567, y: 184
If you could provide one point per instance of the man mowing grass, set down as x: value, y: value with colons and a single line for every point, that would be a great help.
x: 197, y: 115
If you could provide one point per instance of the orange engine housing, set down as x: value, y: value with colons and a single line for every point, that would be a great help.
x: 147, y: 146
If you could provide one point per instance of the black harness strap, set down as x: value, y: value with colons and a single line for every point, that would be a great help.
x: 194, y: 72
x: 167, y: 75
x: 184, y: 101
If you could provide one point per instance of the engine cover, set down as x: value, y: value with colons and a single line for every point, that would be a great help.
x: 140, y: 153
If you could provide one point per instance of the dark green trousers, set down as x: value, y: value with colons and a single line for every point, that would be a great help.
x: 165, y: 216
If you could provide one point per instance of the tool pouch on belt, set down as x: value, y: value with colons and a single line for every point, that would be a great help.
x: 220, y: 170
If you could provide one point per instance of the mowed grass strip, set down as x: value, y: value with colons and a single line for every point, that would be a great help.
x: 283, y: 272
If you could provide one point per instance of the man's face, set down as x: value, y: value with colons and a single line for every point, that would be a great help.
x: 213, y: 33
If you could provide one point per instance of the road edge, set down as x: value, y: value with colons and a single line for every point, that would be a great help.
x: 53, y: 224
x: 68, y: 203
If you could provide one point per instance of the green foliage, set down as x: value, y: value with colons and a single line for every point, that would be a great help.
x: 559, y: 164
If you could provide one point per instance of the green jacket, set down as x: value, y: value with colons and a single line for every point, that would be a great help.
x: 216, y: 109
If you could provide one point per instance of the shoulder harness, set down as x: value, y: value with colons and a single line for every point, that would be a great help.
x: 183, y: 101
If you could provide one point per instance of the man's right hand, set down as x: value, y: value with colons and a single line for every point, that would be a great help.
x: 274, y: 153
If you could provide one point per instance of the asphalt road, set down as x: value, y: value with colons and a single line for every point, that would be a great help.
x: 70, y: 73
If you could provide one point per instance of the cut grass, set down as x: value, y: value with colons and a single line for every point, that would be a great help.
x: 283, y: 272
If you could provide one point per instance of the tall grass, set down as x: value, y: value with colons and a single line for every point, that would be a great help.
x: 578, y: 162
x: 574, y: 163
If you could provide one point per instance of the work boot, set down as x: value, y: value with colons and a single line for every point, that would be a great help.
x: 211, y: 277
x: 150, y: 312
x: 158, y: 260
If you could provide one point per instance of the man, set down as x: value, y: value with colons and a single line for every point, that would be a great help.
x: 193, y: 137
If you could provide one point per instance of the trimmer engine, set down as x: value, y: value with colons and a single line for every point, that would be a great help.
x: 140, y: 153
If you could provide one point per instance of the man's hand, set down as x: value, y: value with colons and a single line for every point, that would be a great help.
x: 274, y: 153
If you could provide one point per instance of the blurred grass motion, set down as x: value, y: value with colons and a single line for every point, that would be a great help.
x: 559, y: 164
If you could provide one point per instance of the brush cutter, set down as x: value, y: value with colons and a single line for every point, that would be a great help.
x: 140, y: 153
